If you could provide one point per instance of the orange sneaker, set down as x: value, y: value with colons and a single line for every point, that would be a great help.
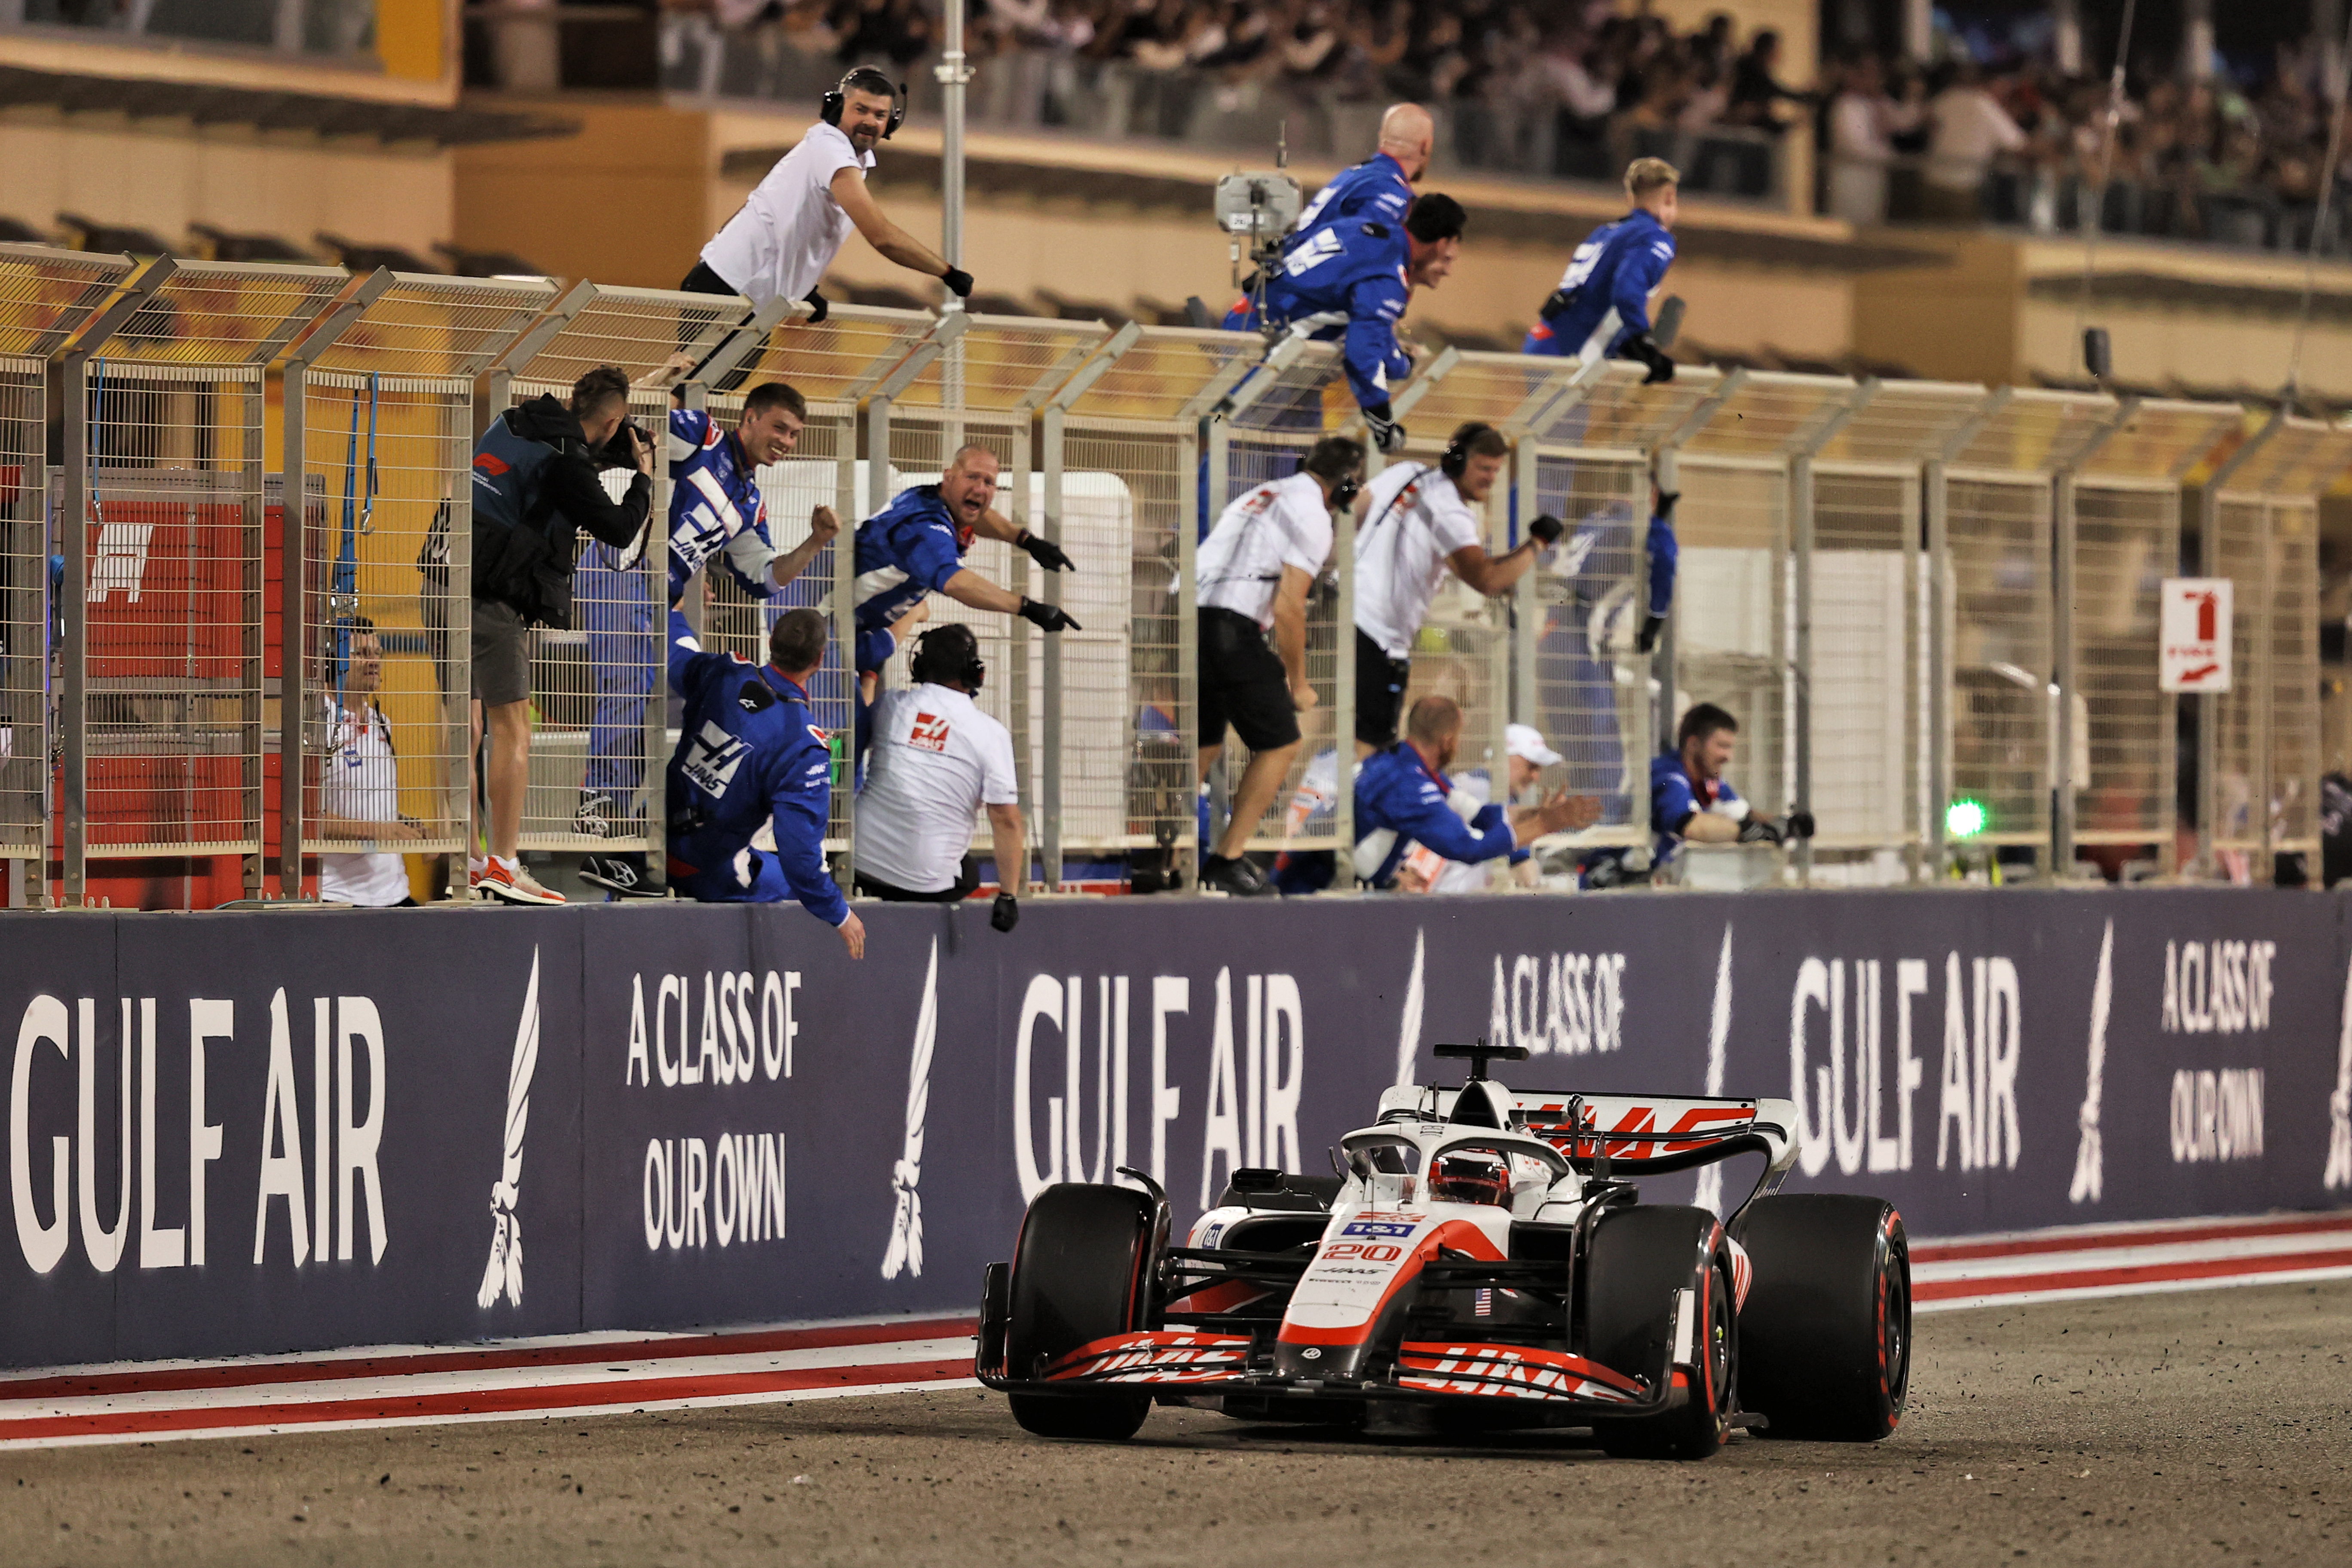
x: 511, y: 884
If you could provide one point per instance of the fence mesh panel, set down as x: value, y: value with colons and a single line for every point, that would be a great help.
x: 1731, y: 615
x: 1593, y: 696
x: 24, y: 607
x: 2293, y: 688
x: 1867, y: 678
x: 2127, y: 542
x: 2261, y: 543
x: 2000, y: 643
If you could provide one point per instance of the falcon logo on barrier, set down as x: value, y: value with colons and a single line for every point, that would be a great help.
x: 504, y: 1273
x: 2339, y: 1104
x: 906, y: 1249
x: 2090, y: 1158
x: 1718, y: 1041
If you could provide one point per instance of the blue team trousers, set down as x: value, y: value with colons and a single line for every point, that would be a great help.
x: 623, y: 655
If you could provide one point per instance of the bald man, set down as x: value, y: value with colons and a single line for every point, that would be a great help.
x: 1380, y: 187
x: 913, y: 547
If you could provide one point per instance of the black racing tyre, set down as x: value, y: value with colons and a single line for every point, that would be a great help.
x: 1826, y: 1330
x: 1638, y: 1259
x: 1081, y: 1271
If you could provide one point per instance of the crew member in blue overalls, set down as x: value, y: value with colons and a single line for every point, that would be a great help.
x: 1380, y: 187
x: 1348, y: 281
x: 914, y: 546
x: 1601, y: 308
x: 716, y: 512
x: 1691, y: 800
x: 1410, y: 821
x: 749, y: 757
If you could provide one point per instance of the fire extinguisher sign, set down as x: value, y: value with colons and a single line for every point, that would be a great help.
x: 2193, y: 634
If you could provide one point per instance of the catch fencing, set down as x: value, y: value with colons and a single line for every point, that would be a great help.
x: 1913, y: 595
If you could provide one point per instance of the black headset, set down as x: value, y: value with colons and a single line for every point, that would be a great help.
x: 1457, y: 450
x: 1344, y: 491
x: 955, y: 647
x: 829, y: 109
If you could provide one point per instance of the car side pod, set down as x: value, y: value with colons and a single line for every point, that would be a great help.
x: 1826, y: 1331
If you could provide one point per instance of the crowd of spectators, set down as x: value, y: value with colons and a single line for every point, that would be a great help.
x: 2216, y: 159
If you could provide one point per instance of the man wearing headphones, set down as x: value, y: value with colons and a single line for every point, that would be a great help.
x: 1254, y: 570
x: 1350, y: 281
x: 936, y: 757
x: 787, y: 232
x: 1419, y: 523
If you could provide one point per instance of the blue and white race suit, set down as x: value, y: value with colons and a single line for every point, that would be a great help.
x: 1607, y: 289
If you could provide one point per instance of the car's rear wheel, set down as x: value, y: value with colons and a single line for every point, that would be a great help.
x: 1081, y: 1272
x: 1638, y: 1259
x: 1826, y: 1330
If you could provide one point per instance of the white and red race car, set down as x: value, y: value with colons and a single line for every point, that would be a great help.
x: 1482, y: 1262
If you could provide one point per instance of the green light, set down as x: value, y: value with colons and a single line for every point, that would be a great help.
x: 1966, y: 819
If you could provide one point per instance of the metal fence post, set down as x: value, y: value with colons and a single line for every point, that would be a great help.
x: 1666, y: 469
x: 1801, y: 539
x: 2209, y: 703
x: 1934, y: 487
x: 2064, y: 675
x: 75, y: 416
x: 293, y: 520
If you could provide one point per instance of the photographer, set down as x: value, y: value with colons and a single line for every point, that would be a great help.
x: 536, y: 486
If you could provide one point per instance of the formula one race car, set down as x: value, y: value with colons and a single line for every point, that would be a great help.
x: 1481, y: 1262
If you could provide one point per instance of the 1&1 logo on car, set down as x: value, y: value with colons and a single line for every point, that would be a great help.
x: 1396, y: 1229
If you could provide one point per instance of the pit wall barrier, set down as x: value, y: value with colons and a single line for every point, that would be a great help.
x: 648, y: 1118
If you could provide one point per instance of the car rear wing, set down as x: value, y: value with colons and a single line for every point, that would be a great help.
x: 1652, y: 1132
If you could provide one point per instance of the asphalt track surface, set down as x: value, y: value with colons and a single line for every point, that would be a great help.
x: 2202, y: 1426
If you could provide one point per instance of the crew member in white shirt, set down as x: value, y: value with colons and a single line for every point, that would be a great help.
x: 1419, y: 522
x: 786, y: 232
x: 359, y: 786
x: 1254, y: 571
x: 936, y: 760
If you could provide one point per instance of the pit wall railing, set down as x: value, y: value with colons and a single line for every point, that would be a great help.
x: 1912, y: 595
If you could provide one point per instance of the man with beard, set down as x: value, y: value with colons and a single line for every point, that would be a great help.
x: 787, y: 232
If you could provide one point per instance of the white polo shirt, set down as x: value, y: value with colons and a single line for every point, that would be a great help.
x: 1413, y: 520
x: 359, y: 778
x: 784, y: 236
x: 1285, y: 522
x: 936, y: 759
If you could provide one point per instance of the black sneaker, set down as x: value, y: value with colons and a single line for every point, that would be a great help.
x: 1240, y: 877
x: 622, y: 874
x: 595, y: 817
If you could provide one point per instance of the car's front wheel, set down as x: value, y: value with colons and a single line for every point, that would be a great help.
x: 1081, y: 1272
x: 1639, y: 1257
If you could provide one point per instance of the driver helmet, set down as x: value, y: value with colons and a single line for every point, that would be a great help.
x: 1471, y: 1176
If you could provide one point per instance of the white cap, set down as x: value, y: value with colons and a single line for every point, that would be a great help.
x: 1526, y: 741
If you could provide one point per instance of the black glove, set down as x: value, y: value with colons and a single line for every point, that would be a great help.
x: 1546, y: 529
x: 1048, y: 618
x: 1666, y: 500
x: 1556, y: 303
x: 958, y: 282
x: 1046, y: 552
x: 1759, y: 830
x: 1647, y: 641
x: 1006, y: 912
x: 1643, y: 349
x: 1386, y: 433
x: 1800, y: 825
x: 818, y: 308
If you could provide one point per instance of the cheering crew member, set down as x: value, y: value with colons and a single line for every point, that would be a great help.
x: 1349, y: 280
x: 914, y: 546
x: 1418, y: 525
x: 1254, y: 571
x: 1690, y: 798
x: 786, y: 232
x: 1380, y: 188
x: 1601, y: 308
x: 716, y: 513
x: 1405, y: 804
x: 749, y: 757
x: 937, y: 761
x: 536, y: 485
